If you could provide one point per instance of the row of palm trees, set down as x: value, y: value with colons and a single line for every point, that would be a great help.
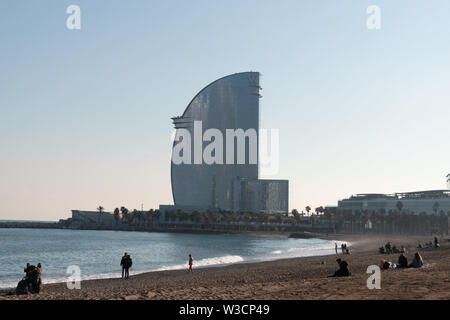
x: 135, y: 217
x: 389, y: 221
x: 354, y: 221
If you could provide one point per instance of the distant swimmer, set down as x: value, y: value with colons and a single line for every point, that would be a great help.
x: 191, y: 262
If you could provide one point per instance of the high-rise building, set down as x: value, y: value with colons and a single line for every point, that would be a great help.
x: 227, y: 109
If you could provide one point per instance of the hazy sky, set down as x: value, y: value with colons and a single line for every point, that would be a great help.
x: 85, y: 114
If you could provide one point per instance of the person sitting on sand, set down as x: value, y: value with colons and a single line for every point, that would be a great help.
x: 402, y: 261
x: 417, y: 261
x: 191, y: 262
x: 385, y: 265
x: 381, y: 250
x: 28, y: 269
x: 402, y: 249
x: 343, y: 269
x: 39, y: 283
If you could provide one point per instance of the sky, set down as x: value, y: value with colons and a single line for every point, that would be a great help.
x: 85, y: 114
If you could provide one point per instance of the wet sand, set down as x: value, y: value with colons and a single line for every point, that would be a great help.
x: 297, y: 278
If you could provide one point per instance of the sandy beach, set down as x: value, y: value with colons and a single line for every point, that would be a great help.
x: 297, y: 278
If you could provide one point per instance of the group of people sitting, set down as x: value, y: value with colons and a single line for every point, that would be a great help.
x: 32, y: 282
x: 430, y: 244
x: 417, y: 262
x: 388, y: 249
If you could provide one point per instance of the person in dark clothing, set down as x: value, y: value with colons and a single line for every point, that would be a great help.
x: 402, y: 261
x: 436, y: 242
x: 123, y: 263
x: 343, y: 269
x: 190, y: 262
x: 28, y: 269
x: 127, y: 265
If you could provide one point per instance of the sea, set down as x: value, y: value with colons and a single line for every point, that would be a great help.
x: 97, y: 254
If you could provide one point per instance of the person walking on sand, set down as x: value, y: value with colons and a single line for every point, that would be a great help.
x: 191, y: 262
x: 335, y: 247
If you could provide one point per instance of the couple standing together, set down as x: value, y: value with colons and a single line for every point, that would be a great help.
x: 126, y: 264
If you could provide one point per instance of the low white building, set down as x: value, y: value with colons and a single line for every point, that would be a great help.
x: 430, y: 202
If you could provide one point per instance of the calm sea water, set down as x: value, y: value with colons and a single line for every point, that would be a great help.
x: 98, y: 253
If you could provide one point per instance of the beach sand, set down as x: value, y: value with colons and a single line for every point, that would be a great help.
x: 297, y: 278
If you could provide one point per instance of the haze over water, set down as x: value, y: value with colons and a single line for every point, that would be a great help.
x: 98, y: 253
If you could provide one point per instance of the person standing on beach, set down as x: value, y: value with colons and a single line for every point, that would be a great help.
x: 335, y: 247
x: 191, y: 262
x: 128, y: 264
x: 123, y: 263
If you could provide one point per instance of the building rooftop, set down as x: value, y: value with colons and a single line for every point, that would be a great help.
x: 403, y: 195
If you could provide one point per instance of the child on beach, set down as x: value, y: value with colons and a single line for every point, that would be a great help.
x: 191, y: 262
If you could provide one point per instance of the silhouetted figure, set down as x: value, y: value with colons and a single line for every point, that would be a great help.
x: 436, y: 242
x: 343, y: 269
x: 402, y: 261
x: 126, y: 263
x: 388, y: 248
x: 191, y: 262
x: 335, y: 247
x: 28, y: 269
x: 417, y: 261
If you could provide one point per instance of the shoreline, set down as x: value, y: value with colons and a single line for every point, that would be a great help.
x: 290, y: 278
x: 112, y: 275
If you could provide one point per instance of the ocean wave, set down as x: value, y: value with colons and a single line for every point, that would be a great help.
x: 224, y: 260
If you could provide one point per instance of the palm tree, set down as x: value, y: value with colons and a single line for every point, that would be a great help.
x: 124, y: 212
x: 116, y: 215
x: 308, y: 209
x: 296, y: 215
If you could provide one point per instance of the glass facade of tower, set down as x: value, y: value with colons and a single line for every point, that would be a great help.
x: 231, y: 102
